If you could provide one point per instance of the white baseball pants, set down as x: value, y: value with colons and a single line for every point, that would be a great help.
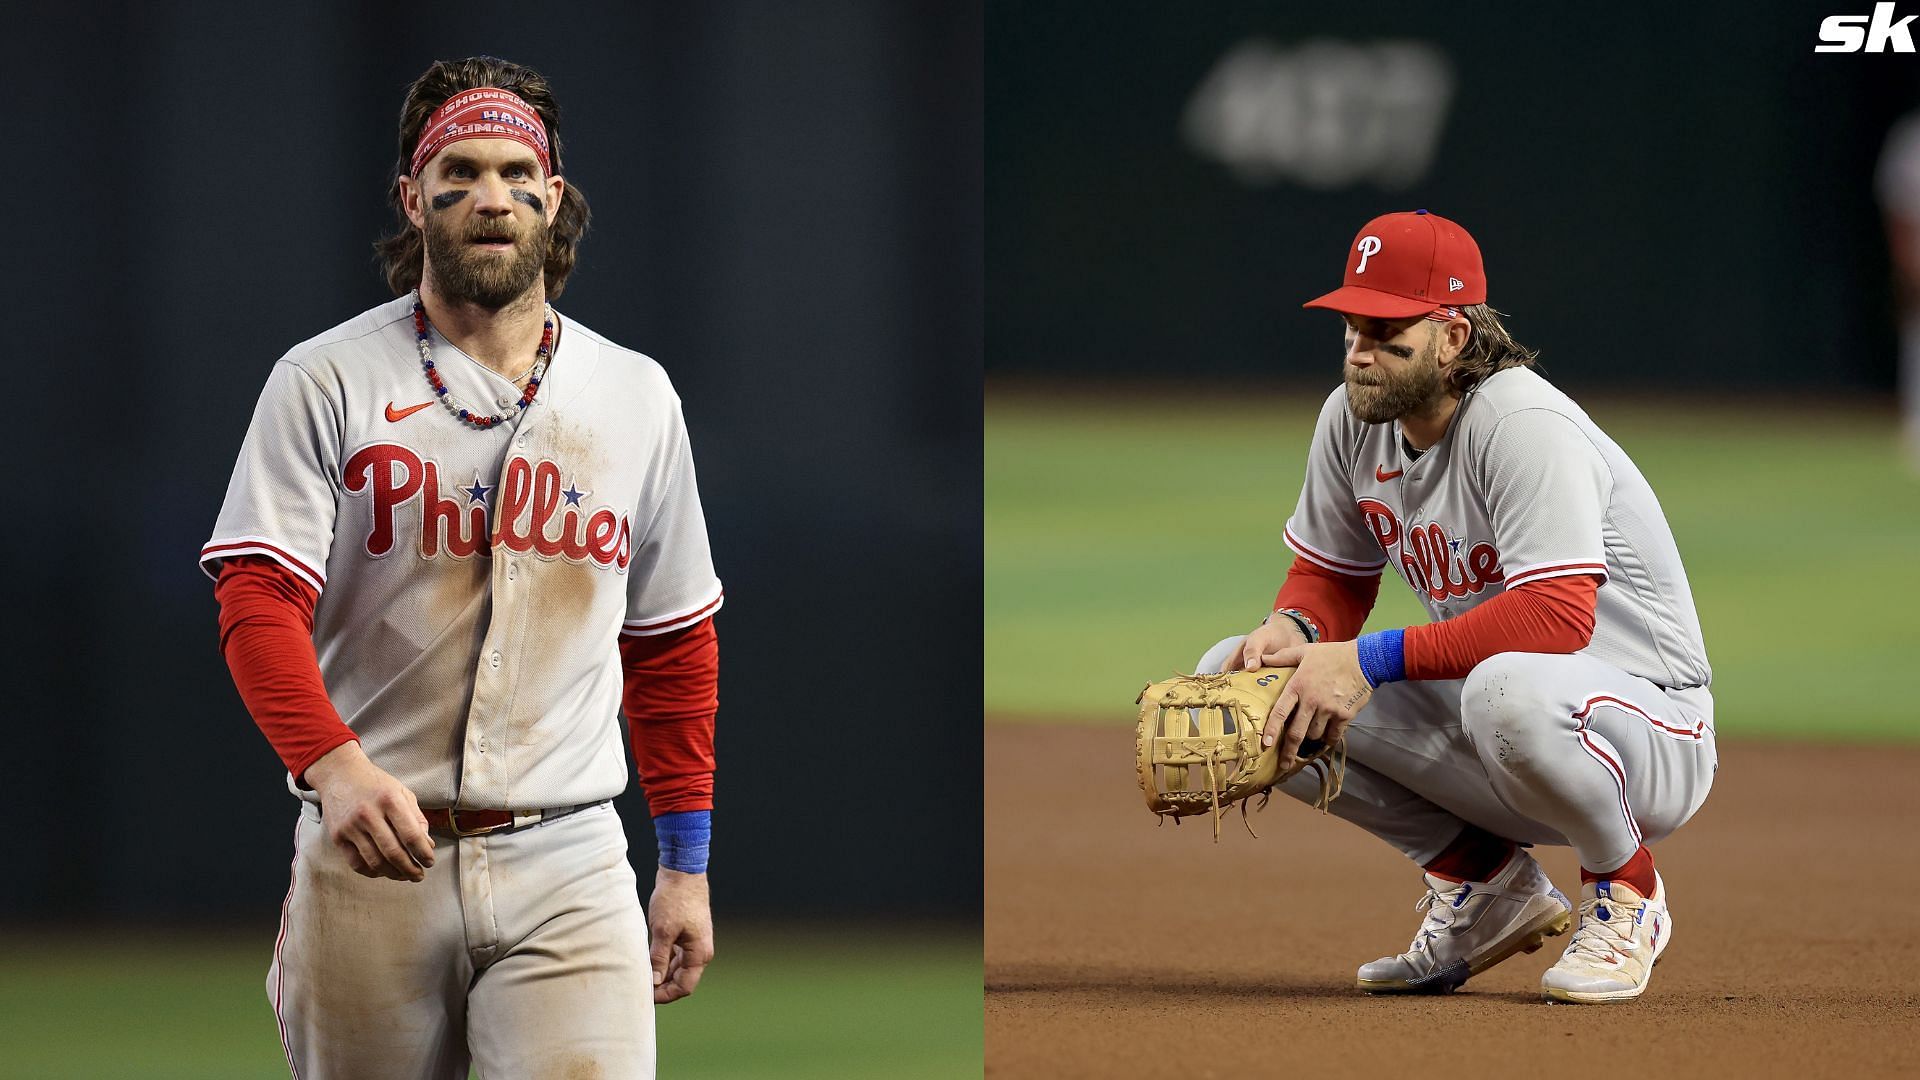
x: 1539, y: 748
x: 523, y: 953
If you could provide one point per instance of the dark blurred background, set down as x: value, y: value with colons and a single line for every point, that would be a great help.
x: 1681, y: 195
x: 787, y: 215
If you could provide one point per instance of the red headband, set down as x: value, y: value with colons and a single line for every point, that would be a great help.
x: 486, y: 113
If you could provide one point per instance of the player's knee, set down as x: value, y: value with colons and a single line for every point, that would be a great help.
x: 1215, y: 659
x: 1505, y: 707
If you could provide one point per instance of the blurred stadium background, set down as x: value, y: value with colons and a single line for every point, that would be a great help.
x: 1681, y: 206
x: 786, y: 214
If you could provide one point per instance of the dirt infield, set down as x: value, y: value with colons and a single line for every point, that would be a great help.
x: 1117, y: 949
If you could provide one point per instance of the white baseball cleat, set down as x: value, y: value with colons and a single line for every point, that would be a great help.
x: 1471, y: 926
x: 1611, y: 956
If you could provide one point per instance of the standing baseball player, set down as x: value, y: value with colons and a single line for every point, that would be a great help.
x: 462, y: 537
x: 1559, y: 694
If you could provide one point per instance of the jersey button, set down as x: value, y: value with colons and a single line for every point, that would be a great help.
x: 511, y: 571
x: 494, y: 661
x: 523, y: 442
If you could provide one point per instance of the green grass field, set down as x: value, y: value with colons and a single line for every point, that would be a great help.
x: 1125, y: 535
x: 802, y: 1003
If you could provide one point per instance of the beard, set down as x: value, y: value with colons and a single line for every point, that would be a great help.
x: 1387, y: 396
x: 464, y: 274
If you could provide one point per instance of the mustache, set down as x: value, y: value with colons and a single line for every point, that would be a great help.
x: 481, y: 231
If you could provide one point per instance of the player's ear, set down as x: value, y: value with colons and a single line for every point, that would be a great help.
x: 410, y: 202
x: 556, y: 187
x: 1454, y: 337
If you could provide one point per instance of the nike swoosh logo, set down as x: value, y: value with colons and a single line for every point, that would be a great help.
x: 1380, y: 472
x: 396, y: 415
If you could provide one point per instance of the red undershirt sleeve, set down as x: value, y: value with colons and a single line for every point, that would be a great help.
x: 266, y: 635
x: 1550, y: 615
x: 672, y: 693
x: 1337, y: 603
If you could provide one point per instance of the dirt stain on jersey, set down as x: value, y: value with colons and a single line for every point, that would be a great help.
x: 573, y: 1068
x: 563, y: 592
x: 456, y: 590
x: 363, y: 966
x: 457, y: 600
x: 570, y: 445
x: 562, y: 618
x: 1507, y: 753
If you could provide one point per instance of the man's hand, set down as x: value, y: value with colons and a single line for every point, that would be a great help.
x: 373, y: 818
x: 1326, y: 692
x: 1266, y: 641
x: 680, y: 922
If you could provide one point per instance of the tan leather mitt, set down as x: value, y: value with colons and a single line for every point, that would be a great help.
x: 1198, y: 745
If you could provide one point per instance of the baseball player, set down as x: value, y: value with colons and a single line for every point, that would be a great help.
x: 1559, y: 694
x: 462, y: 536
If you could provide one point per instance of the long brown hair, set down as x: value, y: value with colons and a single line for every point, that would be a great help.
x: 1489, y: 349
x: 401, y: 252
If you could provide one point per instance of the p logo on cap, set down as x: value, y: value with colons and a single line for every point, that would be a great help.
x: 1368, y: 247
x: 1407, y: 264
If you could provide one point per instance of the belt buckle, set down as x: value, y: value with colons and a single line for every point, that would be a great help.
x: 453, y: 823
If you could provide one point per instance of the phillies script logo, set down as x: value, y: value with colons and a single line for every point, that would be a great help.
x: 531, y: 518
x: 1430, y: 561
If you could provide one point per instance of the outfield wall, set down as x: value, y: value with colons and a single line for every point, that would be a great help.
x: 1675, y: 196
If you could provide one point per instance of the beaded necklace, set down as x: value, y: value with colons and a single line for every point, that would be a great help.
x: 440, y: 388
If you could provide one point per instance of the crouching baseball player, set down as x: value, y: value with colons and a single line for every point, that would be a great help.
x: 1560, y: 693
x: 463, y: 535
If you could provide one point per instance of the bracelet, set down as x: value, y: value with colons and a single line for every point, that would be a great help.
x: 1300, y: 619
x: 683, y: 836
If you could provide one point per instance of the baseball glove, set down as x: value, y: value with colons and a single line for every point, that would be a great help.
x: 1206, y: 728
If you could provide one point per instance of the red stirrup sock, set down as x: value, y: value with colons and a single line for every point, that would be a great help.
x: 1474, y: 855
x: 1636, y: 872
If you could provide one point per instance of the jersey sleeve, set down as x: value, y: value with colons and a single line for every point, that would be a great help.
x: 1338, y: 604
x: 1326, y: 528
x: 1547, y: 490
x: 266, y: 635
x: 282, y: 498
x: 1545, y: 615
x: 671, y: 697
x: 671, y: 583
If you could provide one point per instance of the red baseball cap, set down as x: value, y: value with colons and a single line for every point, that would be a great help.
x: 1407, y: 264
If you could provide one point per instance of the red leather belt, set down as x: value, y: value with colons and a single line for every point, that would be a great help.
x: 459, y: 821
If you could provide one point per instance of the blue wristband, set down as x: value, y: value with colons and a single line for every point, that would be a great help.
x: 683, y: 836
x: 1383, y: 657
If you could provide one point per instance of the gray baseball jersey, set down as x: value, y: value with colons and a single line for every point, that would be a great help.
x: 1522, y: 487
x: 474, y: 584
